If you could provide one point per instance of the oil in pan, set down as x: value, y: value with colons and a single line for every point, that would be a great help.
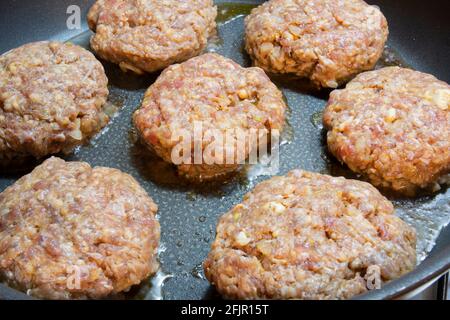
x: 188, y: 213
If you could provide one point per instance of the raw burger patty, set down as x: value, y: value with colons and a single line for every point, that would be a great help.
x: 393, y: 126
x: 149, y: 35
x: 327, y: 41
x: 51, y: 99
x: 219, y: 94
x: 69, y: 231
x: 308, y: 236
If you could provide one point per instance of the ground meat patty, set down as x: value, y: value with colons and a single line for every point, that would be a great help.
x: 69, y: 231
x: 51, y: 99
x: 219, y: 94
x: 149, y: 35
x: 325, y: 41
x: 308, y: 236
x: 393, y: 126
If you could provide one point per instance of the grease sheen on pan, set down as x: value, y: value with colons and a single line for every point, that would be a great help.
x: 393, y: 126
x: 149, y: 35
x: 51, y: 99
x: 308, y: 236
x: 69, y: 231
x: 326, y: 41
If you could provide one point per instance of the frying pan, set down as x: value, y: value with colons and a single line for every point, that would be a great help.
x: 420, y: 38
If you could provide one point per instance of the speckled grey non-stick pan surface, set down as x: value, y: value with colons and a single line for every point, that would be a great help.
x: 420, y: 38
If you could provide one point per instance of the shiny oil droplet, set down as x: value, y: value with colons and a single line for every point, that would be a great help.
x: 162, y: 248
x: 391, y: 57
x: 229, y: 11
x: 214, y: 44
x: 287, y: 135
x: 157, y: 283
x: 316, y: 120
x: 191, y: 196
x: 197, y: 272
